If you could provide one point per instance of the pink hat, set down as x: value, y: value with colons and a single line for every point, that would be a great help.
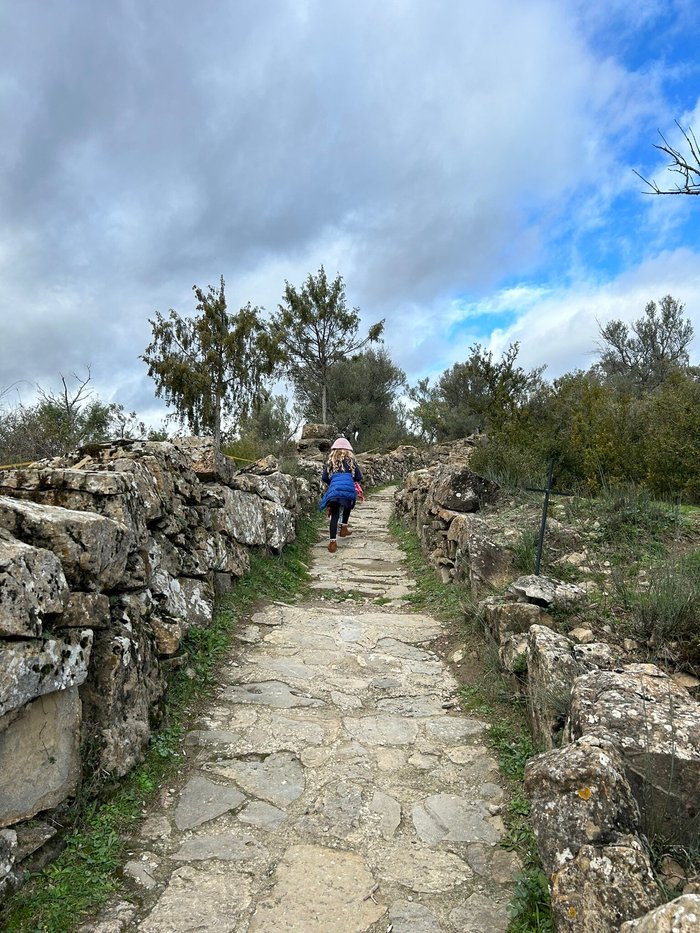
x: 341, y: 444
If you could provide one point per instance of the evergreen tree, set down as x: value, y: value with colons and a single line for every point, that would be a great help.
x: 211, y: 366
x: 315, y: 330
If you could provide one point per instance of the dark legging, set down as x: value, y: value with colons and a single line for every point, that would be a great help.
x: 335, y: 513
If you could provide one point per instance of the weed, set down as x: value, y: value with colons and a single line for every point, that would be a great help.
x: 530, y: 907
x: 341, y: 596
x: 525, y: 550
x: 514, y: 746
x: 449, y: 602
x: 85, y: 874
x: 665, y: 614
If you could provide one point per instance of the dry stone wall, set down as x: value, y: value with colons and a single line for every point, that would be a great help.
x: 107, y: 558
x: 621, y: 741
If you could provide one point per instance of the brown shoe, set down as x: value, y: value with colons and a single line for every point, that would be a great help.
x: 345, y: 531
x: 332, y: 547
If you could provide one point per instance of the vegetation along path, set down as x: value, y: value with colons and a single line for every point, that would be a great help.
x: 334, y: 784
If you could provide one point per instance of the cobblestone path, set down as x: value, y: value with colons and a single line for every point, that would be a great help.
x: 333, y: 786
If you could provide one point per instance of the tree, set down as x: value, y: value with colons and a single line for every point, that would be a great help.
x: 686, y: 165
x: 211, y: 366
x: 642, y: 357
x: 58, y: 422
x: 362, y: 399
x: 316, y: 330
x: 269, y: 428
x: 477, y: 395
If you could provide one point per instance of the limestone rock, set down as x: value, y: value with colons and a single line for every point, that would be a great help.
x: 279, y: 525
x: 121, y: 694
x: 579, y: 795
x: 29, y: 669
x: 596, y: 655
x: 8, y: 852
x: 305, y: 899
x: 39, y: 755
x: 206, y: 463
x: 264, y: 466
x: 92, y: 549
x: 246, y: 518
x: 32, y: 836
x: 186, y: 601
x: 201, y: 800
x: 211, y: 898
x: 679, y: 916
x: 552, y: 669
x: 86, y: 610
x: 603, y: 886
x: 32, y: 585
x: 489, y: 564
x: 545, y: 591
x: 461, y: 490
x: 656, y: 725
x: 503, y: 617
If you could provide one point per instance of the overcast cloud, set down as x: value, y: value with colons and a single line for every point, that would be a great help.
x: 466, y: 167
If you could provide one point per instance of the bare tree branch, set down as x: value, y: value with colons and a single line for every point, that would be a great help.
x: 686, y: 165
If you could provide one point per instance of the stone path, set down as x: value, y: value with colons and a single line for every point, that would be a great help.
x: 333, y: 787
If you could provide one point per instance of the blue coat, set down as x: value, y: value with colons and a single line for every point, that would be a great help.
x: 341, y: 489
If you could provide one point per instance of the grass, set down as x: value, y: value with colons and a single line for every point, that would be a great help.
x: 448, y: 602
x: 83, y: 877
x: 665, y: 614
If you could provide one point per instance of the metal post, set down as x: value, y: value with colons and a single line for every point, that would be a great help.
x: 543, y: 524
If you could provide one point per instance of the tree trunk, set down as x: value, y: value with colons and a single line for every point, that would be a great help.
x: 323, y: 403
x: 217, y: 423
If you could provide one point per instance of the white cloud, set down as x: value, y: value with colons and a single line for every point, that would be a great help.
x: 426, y: 152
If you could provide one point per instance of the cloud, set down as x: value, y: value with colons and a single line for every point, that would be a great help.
x: 434, y: 155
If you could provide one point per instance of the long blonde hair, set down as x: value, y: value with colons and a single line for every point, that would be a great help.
x: 339, y: 460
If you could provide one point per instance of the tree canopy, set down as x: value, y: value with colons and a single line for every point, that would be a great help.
x: 642, y: 356
x: 211, y: 366
x: 476, y: 395
x: 315, y: 330
x: 61, y: 421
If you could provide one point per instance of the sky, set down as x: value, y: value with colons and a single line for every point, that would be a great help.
x: 468, y: 168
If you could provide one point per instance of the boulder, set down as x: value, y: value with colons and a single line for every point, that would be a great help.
x: 39, y: 755
x: 502, y: 617
x: 29, y: 669
x: 280, y: 528
x: 118, y: 496
x: 579, y: 796
x: 92, y: 549
x: 603, y: 886
x: 122, y: 693
x: 32, y: 586
x: 488, y: 564
x: 551, y: 671
x: 656, y: 725
x: 208, y: 464
x: 245, y: 518
x: 679, y: 916
x: 184, y: 601
x: 316, y: 440
x: 264, y: 466
x: 86, y: 610
x: 596, y: 655
x: 8, y: 852
x: 546, y: 592
x: 461, y: 490
x: 275, y: 487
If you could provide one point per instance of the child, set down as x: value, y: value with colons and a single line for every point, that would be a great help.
x: 340, y: 473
